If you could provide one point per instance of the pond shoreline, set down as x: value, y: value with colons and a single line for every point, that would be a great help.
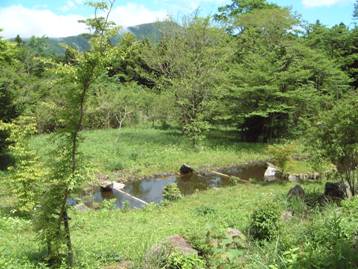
x: 203, y: 170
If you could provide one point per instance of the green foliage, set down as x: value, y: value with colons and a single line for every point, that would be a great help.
x: 328, y: 244
x: 228, y: 13
x: 180, y: 261
x: 334, y: 137
x: 25, y: 179
x: 67, y: 171
x: 172, y: 193
x: 108, y: 204
x: 264, y: 224
x: 281, y: 154
x: 190, y: 62
x: 195, y: 130
x: 204, y: 211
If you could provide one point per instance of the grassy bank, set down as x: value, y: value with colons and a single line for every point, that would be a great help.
x: 144, y: 151
x: 101, y: 236
x: 106, y: 236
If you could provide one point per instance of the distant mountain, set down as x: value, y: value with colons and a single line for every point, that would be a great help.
x: 150, y: 31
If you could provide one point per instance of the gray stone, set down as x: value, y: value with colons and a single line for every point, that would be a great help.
x: 186, y: 169
x: 297, y: 192
x: 286, y: 215
x: 337, y: 190
x: 155, y: 257
x: 271, y: 173
x: 238, y: 238
x: 293, y: 177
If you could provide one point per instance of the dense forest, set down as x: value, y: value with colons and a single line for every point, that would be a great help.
x: 254, y: 74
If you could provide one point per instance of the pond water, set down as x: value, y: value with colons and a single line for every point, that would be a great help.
x: 151, y: 190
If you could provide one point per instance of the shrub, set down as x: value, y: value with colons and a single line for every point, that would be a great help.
x: 333, y: 137
x: 281, y: 154
x: 180, y: 261
x: 204, y: 210
x: 108, y: 204
x: 172, y: 192
x: 329, y: 244
x: 264, y: 225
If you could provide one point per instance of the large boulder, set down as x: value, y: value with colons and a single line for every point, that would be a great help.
x: 156, y: 256
x: 337, y: 190
x: 296, y: 192
x: 185, y: 169
x: 271, y: 173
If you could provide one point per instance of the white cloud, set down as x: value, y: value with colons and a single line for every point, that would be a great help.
x: 71, y: 4
x: 27, y: 22
x: 320, y: 3
x: 134, y: 14
x: 185, y: 6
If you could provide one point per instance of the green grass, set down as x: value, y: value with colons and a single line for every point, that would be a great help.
x: 295, y: 166
x: 100, y: 236
x: 104, y: 236
x: 144, y: 151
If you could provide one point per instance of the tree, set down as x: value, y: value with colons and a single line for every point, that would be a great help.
x: 67, y: 171
x: 276, y: 79
x: 130, y: 66
x: 339, y: 43
x: 191, y: 62
x: 114, y: 105
x: 334, y: 137
x: 8, y: 109
x: 228, y: 13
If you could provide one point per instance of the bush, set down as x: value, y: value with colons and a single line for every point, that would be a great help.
x: 333, y: 137
x: 329, y: 244
x: 172, y: 193
x: 264, y: 225
x: 180, y: 261
x: 281, y: 154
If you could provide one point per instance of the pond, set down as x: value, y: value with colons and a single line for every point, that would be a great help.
x: 151, y: 190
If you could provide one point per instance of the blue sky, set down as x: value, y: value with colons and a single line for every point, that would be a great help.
x: 56, y: 18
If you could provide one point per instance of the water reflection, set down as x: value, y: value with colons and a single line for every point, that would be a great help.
x: 151, y: 190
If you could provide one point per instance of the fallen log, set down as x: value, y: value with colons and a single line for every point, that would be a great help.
x: 227, y: 176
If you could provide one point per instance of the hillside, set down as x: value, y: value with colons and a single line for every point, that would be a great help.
x: 150, y: 31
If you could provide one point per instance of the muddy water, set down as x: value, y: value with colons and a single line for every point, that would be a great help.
x: 151, y: 190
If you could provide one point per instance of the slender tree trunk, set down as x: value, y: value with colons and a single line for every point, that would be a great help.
x: 68, y: 239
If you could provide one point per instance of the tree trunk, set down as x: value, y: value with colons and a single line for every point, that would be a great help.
x: 68, y: 239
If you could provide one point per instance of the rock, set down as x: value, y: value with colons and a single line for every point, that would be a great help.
x: 293, y: 177
x: 157, y: 254
x: 337, y: 191
x: 179, y: 244
x: 286, y: 215
x: 316, y: 176
x: 106, y: 186
x: 117, y: 186
x: 271, y: 173
x: 232, y: 232
x: 239, y: 239
x: 297, y: 192
x: 185, y: 169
